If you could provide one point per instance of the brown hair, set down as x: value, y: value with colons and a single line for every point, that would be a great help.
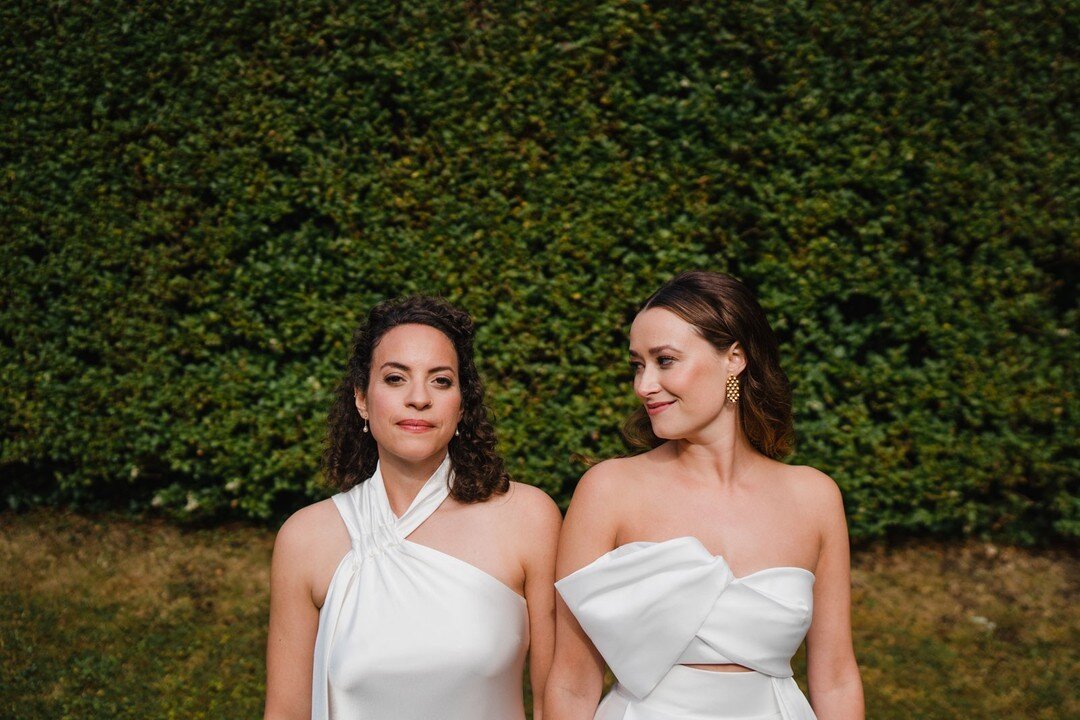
x: 350, y: 454
x: 724, y: 311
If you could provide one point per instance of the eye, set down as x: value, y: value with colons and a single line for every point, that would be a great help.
x: 443, y: 382
x: 393, y: 379
x: 665, y: 360
x: 635, y: 366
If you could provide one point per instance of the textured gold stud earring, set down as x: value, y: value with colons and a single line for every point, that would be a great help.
x: 733, y: 388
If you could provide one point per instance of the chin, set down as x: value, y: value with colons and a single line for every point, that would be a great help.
x: 662, y: 432
x: 671, y: 430
x: 422, y: 452
x: 417, y: 449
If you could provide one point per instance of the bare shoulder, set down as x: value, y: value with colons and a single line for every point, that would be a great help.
x: 531, y: 506
x: 610, y: 479
x: 815, y: 490
x: 605, y: 496
x: 311, y: 528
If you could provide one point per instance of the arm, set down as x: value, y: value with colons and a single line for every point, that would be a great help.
x: 577, y: 672
x: 538, y: 530
x: 298, y: 567
x: 836, y: 691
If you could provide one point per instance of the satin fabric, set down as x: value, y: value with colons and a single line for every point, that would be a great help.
x: 693, y: 694
x: 651, y: 607
x: 408, y: 632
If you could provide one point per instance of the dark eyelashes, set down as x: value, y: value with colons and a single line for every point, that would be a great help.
x: 442, y: 382
x: 663, y: 361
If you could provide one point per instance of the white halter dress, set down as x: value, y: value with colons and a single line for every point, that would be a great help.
x: 652, y: 608
x: 408, y: 632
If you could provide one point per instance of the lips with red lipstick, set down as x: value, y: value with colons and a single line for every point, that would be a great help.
x: 654, y: 408
x: 414, y: 425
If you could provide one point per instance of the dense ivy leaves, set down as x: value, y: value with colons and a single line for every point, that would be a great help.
x: 200, y: 201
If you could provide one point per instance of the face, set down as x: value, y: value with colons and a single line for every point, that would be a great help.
x: 679, y: 375
x: 413, y: 401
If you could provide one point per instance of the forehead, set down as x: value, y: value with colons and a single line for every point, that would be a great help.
x: 659, y: 326
x: 415, y: 345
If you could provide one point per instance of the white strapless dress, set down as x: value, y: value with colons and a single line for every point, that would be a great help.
x: 408, y: 632
x: 652, y: 608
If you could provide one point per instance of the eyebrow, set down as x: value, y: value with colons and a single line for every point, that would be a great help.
x: 406, y: 368
x: 656, y: 350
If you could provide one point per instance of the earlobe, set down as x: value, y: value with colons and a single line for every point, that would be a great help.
x: 361, y: 404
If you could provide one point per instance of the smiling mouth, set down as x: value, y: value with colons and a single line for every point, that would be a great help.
x: 654, y: 408
x: 416, y: 426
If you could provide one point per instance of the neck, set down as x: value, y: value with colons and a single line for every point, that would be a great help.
x: 720, y: 455
x: 403, y: 479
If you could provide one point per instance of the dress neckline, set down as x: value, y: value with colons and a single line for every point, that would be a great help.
x: 684, y: 539
x: 430, y: 496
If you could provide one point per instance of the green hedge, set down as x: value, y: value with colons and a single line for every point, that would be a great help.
x: 200, y: 200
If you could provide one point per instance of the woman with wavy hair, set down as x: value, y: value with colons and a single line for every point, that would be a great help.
x: 417, y: 590
x: 696, y: 568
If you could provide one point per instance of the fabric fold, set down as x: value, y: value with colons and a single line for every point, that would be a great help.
x: 328, y: 617
x: 396, y: 611
x: 645, y: 595
x: 793, y: 704
x: 372, y: 527
x: 650, y: 609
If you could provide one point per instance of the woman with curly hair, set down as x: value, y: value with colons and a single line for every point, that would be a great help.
x: 417, y: 590
x: 695, y: 568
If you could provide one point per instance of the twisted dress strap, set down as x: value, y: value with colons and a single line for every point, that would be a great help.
x: 373, y: 529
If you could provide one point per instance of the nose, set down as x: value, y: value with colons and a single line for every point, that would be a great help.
x: 419, y: 396
x: 646, y: 383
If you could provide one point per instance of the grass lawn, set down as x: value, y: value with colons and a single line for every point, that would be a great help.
x: 108, y: 618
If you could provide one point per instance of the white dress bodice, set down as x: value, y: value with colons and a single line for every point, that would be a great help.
x: 408, y: 632
x: 648, y: 607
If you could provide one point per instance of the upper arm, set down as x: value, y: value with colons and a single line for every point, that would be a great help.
x: 830, y: 655
x: 536, y: 524
x: 300, y: 551
x: 589, y: 531
x: 591, y: 524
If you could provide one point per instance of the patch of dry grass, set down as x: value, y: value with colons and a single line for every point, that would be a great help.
x: 107, y: 618
x: 969, y: 630
x: 113, y: 619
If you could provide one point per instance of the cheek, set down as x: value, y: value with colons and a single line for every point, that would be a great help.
x: 699, y: 383
x: 453, y: 405
x: 686, y: 379
x: 377, y: 400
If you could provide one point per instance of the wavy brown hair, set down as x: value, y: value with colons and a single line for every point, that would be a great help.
x: 724, y: 311
x: 350, y: 454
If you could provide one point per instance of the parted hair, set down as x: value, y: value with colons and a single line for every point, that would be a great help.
x: 724, y: 311
x: 350, y: 454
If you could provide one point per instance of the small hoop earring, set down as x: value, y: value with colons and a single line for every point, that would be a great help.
x: 733, y: 388
x: 365, y: 424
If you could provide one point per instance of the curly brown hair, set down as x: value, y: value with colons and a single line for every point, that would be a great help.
x: 350, y: 454
x: 724, y: 311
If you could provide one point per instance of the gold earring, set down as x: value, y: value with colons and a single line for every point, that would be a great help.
x: 733, y: 388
